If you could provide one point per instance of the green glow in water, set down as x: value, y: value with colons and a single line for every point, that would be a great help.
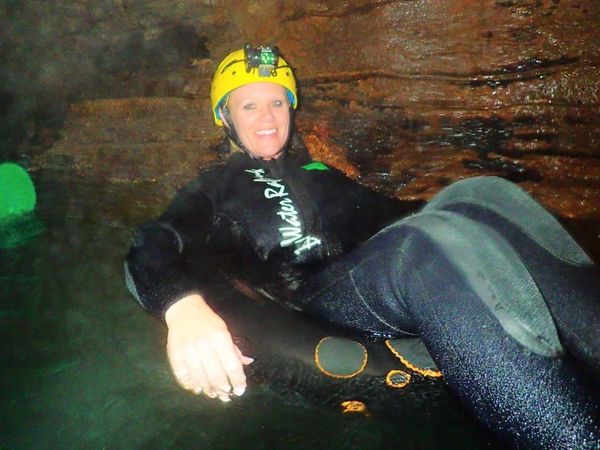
x: 18, y: 223
x: 17, y: 193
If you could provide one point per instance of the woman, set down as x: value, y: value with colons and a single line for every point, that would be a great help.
x: 482, y: 274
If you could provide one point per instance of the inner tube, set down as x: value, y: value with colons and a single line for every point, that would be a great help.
x: 296, y: 353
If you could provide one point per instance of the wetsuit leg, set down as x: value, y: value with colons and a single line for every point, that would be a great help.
x: 531, y: 400
x: 407, y: 279
x: 567, y: 278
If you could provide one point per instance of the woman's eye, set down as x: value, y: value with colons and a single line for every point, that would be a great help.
x: 277, y: 103
x: 249, y: 106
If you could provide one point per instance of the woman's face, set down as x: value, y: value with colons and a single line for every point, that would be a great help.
x: 261, y: 116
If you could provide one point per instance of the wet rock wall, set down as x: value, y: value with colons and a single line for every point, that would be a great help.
x: 404, y: 95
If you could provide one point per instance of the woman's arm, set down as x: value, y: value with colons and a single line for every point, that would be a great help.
x: 156, y: 270
x: 200, y: 348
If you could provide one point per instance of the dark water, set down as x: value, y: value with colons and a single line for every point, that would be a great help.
x: 84, y: 366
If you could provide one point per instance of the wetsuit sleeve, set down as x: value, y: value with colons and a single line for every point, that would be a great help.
x: 156, y: 270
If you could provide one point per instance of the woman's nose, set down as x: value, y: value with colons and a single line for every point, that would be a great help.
x: 267, y: 113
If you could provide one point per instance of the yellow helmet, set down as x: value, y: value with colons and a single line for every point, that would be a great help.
x: 250, y: 65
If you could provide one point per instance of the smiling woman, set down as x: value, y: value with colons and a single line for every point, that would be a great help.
x: 504, y: 299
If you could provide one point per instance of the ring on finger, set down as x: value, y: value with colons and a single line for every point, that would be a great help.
x: 210, y: 393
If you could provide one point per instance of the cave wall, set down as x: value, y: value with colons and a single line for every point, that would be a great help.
x: 405, y: 95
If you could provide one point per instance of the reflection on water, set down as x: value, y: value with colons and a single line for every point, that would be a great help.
x: 84, y: 367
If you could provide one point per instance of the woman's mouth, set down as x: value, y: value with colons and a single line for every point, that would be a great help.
x: 267, y: 132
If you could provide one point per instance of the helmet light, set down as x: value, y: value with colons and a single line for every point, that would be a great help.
x: 262, y: 58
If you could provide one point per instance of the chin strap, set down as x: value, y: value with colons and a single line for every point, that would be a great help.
x: 230, y: 131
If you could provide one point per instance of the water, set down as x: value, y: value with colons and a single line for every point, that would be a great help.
x: 85, y: 367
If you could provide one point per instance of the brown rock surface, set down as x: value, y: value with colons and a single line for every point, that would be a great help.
x: 404, y: 95
x: 135, y: 139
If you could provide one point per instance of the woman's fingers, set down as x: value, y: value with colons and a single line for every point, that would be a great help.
x: 184, y: 373
x: 226, y: 372
x: 201, y: 351
x: 244, y: 359
x: 197, y: 369
x: 232, y: 362
x: 216, y: 377
x: 213, y: 367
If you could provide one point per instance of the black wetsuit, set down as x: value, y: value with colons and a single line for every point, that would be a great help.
x: 475, y: 274
x: 275, y: 223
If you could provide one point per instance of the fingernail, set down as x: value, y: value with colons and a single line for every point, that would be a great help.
x: 197, y: 390
x: 226, y: 388
x: 224, y: 398
x: 239, y: 391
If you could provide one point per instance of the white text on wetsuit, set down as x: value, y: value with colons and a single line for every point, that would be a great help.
x: 292, y: 232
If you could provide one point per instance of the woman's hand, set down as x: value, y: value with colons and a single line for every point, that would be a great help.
x: 201, y: 351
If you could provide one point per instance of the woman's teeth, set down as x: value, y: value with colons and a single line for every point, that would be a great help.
x: 266, y: 132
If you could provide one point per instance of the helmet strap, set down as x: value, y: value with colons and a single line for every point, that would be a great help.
x: 230, y: 130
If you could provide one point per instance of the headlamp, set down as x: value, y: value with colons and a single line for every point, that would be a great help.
x: 262, y: 58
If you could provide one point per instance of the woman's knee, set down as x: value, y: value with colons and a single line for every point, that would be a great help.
x: 510, y: 210
x: 492, y: 191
